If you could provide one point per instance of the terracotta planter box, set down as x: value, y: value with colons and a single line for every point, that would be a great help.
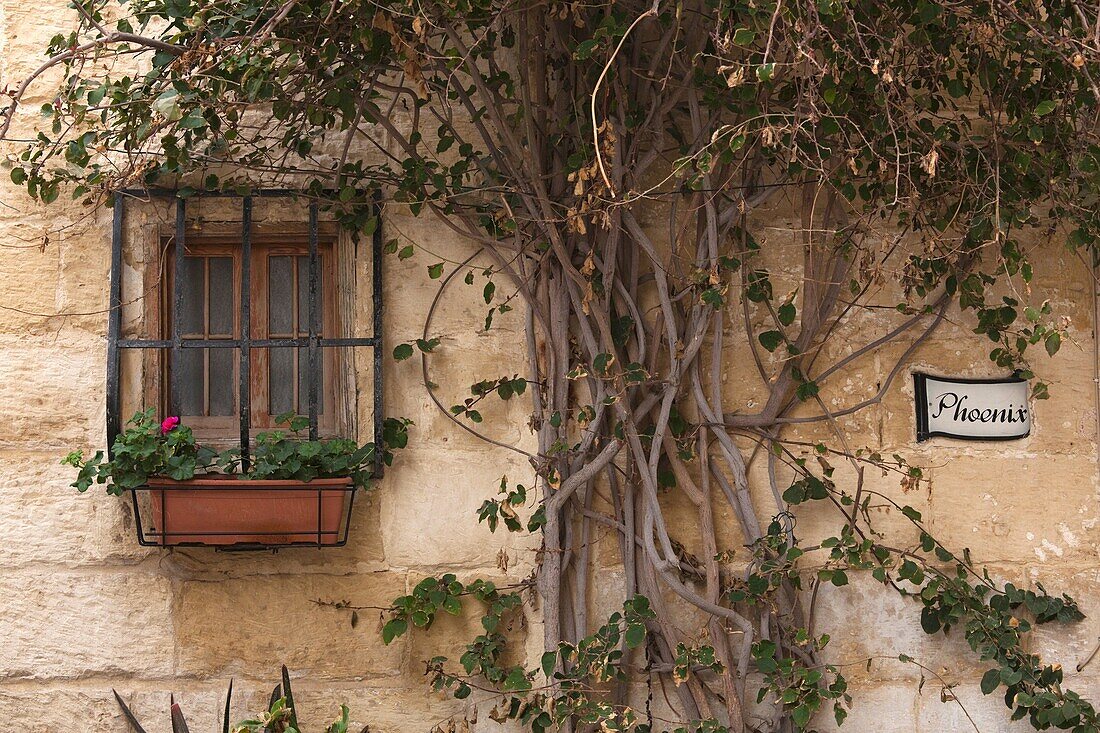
x: 227, y: 511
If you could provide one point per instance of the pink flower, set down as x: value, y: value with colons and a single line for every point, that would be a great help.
x: 169, y: 424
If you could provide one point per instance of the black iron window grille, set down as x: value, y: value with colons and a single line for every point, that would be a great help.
x: 309, y: 340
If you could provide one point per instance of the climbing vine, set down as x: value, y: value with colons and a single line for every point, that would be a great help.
x: 617, y: 165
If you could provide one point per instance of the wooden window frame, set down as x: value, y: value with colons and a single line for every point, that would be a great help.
x: 224, y: 430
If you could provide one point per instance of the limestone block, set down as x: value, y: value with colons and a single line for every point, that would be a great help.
x: 248, y: 625
x: 462, y: 308
x: 53, y: 707
x: 29, y: 272
x: 867, y: 620
x: 429, y: 510
x: 1070, y: 644
x: 817, y: 520
x: 1066, y: 422
x: 1022, y: 509
x: 84, y: 265
x: 1064, y: 277
x: 28, y: 29
x: 74, y: 624
x: 982, y: 712
x: 883, y: 708
x: 43, y: 519
x: 454, y: 367
x: 52, y: 393
x: 449, y: 635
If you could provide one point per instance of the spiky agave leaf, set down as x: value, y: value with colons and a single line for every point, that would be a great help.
x: 228, y: 700
x: 290, y: 698
x: 276, y: 694
x: 179, y: 724
x: 128, y: 715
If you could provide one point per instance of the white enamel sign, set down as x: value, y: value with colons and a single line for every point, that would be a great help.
x: 972, y: 409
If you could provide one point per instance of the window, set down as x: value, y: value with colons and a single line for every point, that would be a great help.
x: 203, y: 381
x: 236, y: 323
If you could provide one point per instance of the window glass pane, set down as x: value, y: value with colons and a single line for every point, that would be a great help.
x: 280, y: 289
x: 303, y: 295
x: 222, y: 384
x: 187, y: 367
x: 281, y: 380
x: 222, y: 299
x: 192, y: 287
x: 303, y: 381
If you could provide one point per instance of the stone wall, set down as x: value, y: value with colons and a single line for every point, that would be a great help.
x: 83, y: 609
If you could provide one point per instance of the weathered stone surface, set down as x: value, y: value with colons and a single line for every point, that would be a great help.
x: 969, y: 710
x: 889, y: 707
x: 43, y: 519
x: 92, y: 708
x: 1016, y: 509
x: 84, y: 609
x: 429, y: 510
x: 52, y: 393
x: 76, y: 623
x: 247, y: 625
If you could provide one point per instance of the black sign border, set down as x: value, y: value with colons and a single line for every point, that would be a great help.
x: 921, y: 400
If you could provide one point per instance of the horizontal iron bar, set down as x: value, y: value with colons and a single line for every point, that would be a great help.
x: 301, y: 343
x: 171, y: 192
x: 249, y: 532
x: 237, y: 486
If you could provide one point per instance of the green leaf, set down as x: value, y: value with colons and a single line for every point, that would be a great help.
x: 406, y: 252
x: 549, y: 661
x: 765, y: 72
x: 393, y: 629
x: 929, y: 620
x: 434, y: 271
x: 786, y: 314
x: 990, y: 681
x: 1053, y: 342
x: 490, y: 288
x: 770, y: 340
x: 744, y: 36
x: 1044, y: 108
x: 402, y: 352
x: 427, y: 346
x: 584, y: 49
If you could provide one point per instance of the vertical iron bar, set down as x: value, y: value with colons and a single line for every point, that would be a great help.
x: 174, y: 404
x: 314, y: 351
x: 137, y: 519
x: 376, y: 273
x: 114, y: 326
x: 245, y: 398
